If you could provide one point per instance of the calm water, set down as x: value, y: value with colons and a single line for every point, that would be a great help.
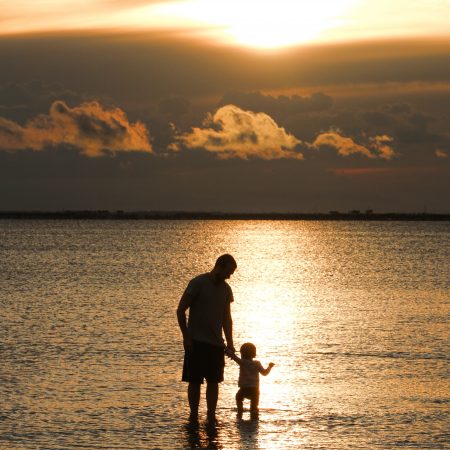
x: 354, y: 315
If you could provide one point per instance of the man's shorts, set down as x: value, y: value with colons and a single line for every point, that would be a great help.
x: 204, y: 361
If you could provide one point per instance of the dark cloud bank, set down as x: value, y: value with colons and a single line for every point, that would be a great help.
x: 195, y: 128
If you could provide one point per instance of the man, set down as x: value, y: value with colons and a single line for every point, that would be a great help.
x: 208, y: 298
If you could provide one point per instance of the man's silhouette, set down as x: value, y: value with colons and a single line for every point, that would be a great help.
x: 208, y: 298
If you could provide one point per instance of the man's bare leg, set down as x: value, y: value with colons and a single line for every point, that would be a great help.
x: 194, y: 400
x: 212, y: 395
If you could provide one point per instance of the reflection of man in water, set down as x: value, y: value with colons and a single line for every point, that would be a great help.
x: 208, y: 298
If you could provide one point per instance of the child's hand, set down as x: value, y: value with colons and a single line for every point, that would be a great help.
x: 229, y: 352
x: 271, y: 364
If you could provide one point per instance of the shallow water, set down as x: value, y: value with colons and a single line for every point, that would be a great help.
x: 353, y: 314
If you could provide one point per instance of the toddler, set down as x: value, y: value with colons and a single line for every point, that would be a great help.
x: 249, y: 370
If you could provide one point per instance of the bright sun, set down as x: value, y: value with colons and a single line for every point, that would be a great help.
x: 264, y: 24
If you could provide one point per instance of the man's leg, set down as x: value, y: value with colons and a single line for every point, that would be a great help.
x: 212, y: 394
x: 194, y: 399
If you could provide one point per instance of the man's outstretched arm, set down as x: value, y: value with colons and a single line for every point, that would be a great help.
x: 228, y: 328
x: 183, y: 306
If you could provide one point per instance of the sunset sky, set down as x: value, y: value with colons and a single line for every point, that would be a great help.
x: 225, y: 105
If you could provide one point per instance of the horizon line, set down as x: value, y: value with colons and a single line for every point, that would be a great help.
x: 201, y: 215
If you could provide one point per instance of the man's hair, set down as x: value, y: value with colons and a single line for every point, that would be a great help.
x: 224, y: 260
x: 248, y: 350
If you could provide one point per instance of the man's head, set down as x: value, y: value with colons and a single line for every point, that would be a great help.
x: 224, y: 267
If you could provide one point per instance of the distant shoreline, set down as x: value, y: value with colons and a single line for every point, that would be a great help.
x: 186, y: 215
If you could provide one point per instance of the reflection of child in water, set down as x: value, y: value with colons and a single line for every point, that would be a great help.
x: 249, y: 370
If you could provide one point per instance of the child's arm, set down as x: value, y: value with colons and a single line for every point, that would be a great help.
x: 266, y: 372
x: 233, y: 356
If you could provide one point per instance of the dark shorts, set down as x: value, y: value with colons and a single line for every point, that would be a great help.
x: 204, y: 361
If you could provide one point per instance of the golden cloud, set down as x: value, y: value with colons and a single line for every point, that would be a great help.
x: 441, y: 153
x: 91, y: 128
x: 234, y: 133
x: 377, y: 147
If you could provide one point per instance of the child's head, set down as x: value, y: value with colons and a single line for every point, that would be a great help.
x: 248, y: 350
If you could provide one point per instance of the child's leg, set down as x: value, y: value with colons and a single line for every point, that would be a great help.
x: 240, y: 402
x: 254, y: 403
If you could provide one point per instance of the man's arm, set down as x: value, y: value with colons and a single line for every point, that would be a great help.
x: 228, y: 328
x: 183, y: 306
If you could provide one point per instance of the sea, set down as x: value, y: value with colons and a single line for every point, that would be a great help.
x: 354, y: 315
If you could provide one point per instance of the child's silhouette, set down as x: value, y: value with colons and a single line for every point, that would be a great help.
x: 248, y: 377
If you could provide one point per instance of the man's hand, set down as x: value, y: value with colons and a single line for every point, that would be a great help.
x: 271, y: 364
x: 230, y: 349
x: 187, y: 343
x: 229, y: 352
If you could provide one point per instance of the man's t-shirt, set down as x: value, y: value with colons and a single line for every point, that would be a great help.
x: 206, y: 314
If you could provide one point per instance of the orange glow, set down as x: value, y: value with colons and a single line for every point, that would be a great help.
x: 264, y: 24
x: 258, y: 24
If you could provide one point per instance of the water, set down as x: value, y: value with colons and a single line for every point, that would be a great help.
x: 353, y: 314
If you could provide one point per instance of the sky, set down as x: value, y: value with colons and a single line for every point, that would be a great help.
x: 258, y: 106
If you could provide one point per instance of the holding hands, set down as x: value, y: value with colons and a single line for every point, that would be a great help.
x: 230, y: 351
x: 230, y: 348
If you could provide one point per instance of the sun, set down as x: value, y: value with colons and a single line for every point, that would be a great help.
x: 261, y: 24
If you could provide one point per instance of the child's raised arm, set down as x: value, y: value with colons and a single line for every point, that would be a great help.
x: 266, y: 371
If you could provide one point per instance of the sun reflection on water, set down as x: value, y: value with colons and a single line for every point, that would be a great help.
x: 273, y: 305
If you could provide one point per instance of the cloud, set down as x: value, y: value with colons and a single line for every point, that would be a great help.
x: 381, y: 148
x: 89, y: 127
x: 417, y: 133
x: 441, y: 153
x: 364, y: 171
x: 281, y: 105
x: 35, y: 91
x: 377, y: 147
x: 234, y: 133
x: 396, y: 171
x: 24, y: 100
x: 398, y: 108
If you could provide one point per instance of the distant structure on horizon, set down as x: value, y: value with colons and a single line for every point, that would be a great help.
x: 352, y: 212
